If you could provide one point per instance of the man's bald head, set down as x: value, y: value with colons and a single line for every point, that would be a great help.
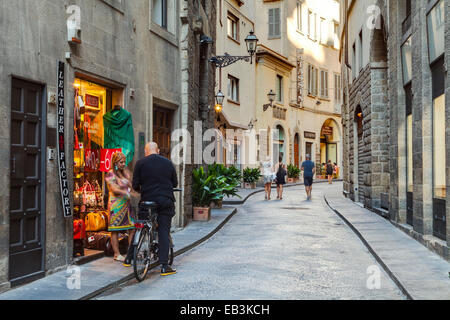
x: 151, y: 148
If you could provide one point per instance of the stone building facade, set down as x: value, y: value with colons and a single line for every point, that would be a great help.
x: 147, y: 59
x: 366, y: 131
x: 403, y: 117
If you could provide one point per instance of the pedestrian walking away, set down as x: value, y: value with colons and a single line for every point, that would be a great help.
x: 280, y: 178
x: 330, y: 172
x: 120, y: 219
x: 268, y: 174
x: 309, y: 170
x: 155, y: 178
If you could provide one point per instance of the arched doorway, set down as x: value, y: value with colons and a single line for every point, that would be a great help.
x: 330, y: 138
x: 279, y: 144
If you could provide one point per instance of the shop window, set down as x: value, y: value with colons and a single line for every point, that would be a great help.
x: 439, y: 158
x: 409, y: 138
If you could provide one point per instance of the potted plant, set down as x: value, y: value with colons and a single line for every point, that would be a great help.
x: 225, y: 182
x: 293, y: 173
x: 251, y: 176
x: 203, y: 193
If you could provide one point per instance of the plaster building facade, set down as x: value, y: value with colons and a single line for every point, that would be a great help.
x: 298, y: 59
x: 235, y: 21
x: 144, y: 56
x: 398, y: 105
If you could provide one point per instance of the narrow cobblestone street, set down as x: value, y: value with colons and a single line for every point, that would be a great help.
x: 290, y: 249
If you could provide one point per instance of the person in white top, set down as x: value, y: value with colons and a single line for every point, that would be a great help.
x: 268, y: 173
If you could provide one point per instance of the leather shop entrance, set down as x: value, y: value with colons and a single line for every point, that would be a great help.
x: 98, y: 112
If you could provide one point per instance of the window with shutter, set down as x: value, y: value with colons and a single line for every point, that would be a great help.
x: 274, y: 23
x: 300, y: 16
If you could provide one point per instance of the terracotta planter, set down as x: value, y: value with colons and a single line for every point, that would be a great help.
x: 202, y: 214
x: 253, y: 185
x: 290, y: 180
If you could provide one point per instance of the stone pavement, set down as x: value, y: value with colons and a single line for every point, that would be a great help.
x: 420, y: 272
x: 272, y: 250
x: 247, y: 193
x: 104, y: 274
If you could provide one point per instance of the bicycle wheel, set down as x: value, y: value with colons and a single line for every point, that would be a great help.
x: 142, y: 256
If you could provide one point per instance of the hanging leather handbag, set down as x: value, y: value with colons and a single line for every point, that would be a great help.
x: 77, y: 198
x: 95, y: 222
x: 79, y: 230
x: 98, y: 240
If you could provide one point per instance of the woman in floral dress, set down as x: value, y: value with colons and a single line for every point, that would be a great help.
x: 119, y: 205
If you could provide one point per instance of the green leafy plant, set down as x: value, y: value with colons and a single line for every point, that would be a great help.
x: 204, y: 189
x: 214, y: 185
x: 251, y: 175
x: 232, y: 174
x: 293, y: 172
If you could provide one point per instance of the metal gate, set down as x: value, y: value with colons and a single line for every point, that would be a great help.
x: 26, y: 187
x: 439, y: 223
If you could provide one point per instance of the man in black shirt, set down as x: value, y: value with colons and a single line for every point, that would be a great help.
x: 155, y: 178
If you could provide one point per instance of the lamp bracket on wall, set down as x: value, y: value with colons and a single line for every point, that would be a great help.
x: 226, y: 60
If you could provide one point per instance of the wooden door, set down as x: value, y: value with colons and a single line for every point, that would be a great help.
x: 297, y: 151
x: 162, y: 129
x: 26, y: 188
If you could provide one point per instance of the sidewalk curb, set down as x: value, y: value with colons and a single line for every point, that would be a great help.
x: 238, y: 202
x: 187, y: 248
x: 374, y: 254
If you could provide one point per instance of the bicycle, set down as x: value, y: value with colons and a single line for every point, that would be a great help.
x: 146, y: 248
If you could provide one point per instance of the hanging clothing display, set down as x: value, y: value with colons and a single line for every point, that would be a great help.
x: 119, y: 133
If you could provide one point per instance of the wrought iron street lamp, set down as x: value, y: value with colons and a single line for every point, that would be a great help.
x: 271, y: 95
x: 220, y: 97
x: 226, y: 60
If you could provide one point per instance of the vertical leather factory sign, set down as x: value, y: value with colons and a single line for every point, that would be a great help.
x: 63, y: 177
